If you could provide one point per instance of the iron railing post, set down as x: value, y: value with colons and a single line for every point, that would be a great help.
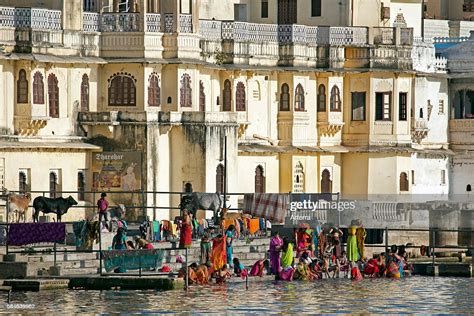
x: 186, y: 282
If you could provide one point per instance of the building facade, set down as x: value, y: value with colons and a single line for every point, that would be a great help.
x: 357, y: 107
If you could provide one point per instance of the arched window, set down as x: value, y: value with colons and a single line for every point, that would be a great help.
x: 298, y: 178
x: 326, y: 182
x: 202, y: 97
x: 285, y: 98
x: 299, y: 98
x: 38, y: 88
x: 321, y: 98
x: 22, y: 182
x: 240, y: 97
x: 81, y: 186
x: 53, y: 96
x: 85, y: 93
x: 468, y: 188
x: 122, y: 91
x: 188, y: 187
x: 227, y: 96
x: 220, y: 179
x: 154, y: 90
x: 403, y: 181
x: 186, y: 92
x: 335, y: 99
x: 22, y: 87
x: 53, y: 185
x: 259, y: 180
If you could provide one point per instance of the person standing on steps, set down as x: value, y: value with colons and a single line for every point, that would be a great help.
x: 102, y: 206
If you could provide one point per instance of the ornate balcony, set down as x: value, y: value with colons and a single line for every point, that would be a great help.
x: 419, y: 130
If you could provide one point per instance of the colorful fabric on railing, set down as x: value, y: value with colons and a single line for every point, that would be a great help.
x: 33, y: 233
x: 133, y: 259
x: 268, y: 206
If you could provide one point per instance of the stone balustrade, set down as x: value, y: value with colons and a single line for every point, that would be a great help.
x: 153, y: 22
x: 120, y: 22
x: 450, y: 40
x: 283, y: 34
x: 33, y: 18
x: 384, y: 36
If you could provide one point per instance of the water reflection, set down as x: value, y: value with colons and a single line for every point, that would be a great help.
x: 411, y: 295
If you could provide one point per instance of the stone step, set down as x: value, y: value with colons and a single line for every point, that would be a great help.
x: 79, y: 271
x: 80, y: 264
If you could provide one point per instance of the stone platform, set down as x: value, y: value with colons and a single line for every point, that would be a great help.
x: 37, y: 284
x: 162, y: 283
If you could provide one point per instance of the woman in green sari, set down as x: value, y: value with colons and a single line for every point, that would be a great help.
x: 287, y: 254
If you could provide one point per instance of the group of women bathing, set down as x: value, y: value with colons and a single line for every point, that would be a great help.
x: 315, y: 254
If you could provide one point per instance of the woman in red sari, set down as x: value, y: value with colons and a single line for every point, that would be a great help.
x: 185, y: 239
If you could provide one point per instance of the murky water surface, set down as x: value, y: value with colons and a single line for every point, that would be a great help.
x: 410, y: 295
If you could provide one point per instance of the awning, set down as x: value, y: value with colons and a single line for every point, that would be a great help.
x: 14, y: 145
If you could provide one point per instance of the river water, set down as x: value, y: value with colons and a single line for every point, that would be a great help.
x: 410, y: 295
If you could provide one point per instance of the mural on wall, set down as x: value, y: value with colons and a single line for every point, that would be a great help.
x: 119, y: 174
x: 117, y: 171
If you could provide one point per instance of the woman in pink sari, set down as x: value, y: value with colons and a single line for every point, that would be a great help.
x: 275, y: 248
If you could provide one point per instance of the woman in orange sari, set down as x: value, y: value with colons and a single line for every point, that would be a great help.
x: 219, y: 255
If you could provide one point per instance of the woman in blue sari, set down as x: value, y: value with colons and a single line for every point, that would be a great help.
x: 119, y: 242
x: 229, y: 236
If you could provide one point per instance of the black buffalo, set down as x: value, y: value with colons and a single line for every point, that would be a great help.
x: 58, y: 206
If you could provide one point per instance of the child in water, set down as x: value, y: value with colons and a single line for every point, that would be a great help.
x: 222, y: 275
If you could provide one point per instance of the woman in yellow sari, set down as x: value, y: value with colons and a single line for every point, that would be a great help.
x: 361, y: 233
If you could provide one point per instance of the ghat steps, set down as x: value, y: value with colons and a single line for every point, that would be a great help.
x: 87, y: 263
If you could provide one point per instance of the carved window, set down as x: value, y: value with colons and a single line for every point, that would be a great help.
x: 287, y: 12
x: 81, y: 186
x: 383, y: 106
x: 402, y: 106
x: 220, y: 179
x: 122, y: 91
x: 227, y: 96
x: 441, y: 107
x: 38, y: 88
x: 264, y: 9
x: 154, y: 97
x: 240, y: 97
x: 53, y: 96
x: 358, y: 106
x: 321, y: 98
x: 285, y: 98
x: 53, y: 185
x: 186, y: 92
x: 298, y: 178
x: 202, y: 97
x: 259, y: 180
x: 22, y: 87
x: 85, y: 93
x: 443, y: 177
x: 403, y: 182
x: 326, y: 182
x: 468, y: 6
x: 299, y: 98
x: 315, y: 8
x: 22, y: 182
x: 335, y: 99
